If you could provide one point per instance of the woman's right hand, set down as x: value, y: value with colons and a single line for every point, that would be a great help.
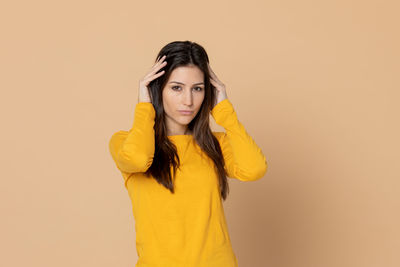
x: 144, y: 94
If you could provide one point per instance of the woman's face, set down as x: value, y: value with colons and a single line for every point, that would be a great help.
x: 184, y: 91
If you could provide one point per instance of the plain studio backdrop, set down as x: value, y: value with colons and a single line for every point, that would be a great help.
x: 315, y: 83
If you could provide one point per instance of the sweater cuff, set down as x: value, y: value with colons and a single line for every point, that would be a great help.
x: 144, y: 112
x: 224, y: 113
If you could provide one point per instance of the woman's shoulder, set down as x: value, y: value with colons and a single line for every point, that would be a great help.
x: 219, y: 135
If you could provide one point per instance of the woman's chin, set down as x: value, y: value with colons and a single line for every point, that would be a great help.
x: 185, y: 120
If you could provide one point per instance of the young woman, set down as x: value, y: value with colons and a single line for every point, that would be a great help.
x: 175, y: 168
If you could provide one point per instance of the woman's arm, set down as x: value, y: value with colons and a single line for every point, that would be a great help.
x: 133, y: 151
x: 244, y: 160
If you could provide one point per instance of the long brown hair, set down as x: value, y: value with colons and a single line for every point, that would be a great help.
x: 184, y: 53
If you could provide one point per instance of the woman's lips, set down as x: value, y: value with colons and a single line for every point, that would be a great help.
x: 185, y: 112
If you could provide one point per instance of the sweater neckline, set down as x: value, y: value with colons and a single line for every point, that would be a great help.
x: 179, y: 136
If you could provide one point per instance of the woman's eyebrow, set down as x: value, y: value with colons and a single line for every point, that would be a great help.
x: 184, y: 84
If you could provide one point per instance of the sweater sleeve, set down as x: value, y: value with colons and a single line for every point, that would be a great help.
x: 133, y: 151
x: 244, y: 160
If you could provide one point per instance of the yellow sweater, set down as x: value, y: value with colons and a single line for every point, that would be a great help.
x: 187, y: 228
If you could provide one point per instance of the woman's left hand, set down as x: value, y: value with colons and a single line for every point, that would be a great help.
x: 220, y: 87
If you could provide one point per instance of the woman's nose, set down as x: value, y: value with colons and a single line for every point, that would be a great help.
x: 188, y: 98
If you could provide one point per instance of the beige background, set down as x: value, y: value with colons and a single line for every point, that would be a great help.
x: 316, y: 83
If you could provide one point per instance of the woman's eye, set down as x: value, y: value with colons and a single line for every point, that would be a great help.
x: 196, y: 88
